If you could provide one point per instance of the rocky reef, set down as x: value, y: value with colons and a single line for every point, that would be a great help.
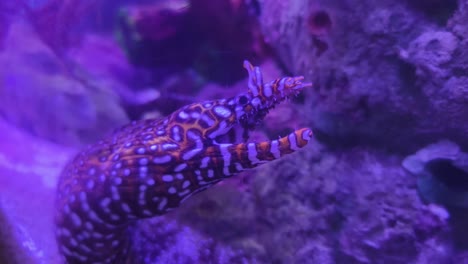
x: 385, y: 179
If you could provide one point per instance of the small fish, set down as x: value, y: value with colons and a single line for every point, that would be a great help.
x: 151, y: 166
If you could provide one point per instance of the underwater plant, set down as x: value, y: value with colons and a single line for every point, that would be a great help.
x: 151, y: 166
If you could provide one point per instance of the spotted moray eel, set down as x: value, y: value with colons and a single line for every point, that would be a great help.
x: 151, y: 166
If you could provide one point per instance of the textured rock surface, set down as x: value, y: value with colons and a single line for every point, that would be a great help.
x: 39, y: 93
x: 342, y: 211
x: 393, y: 80
x: 393, y: 77
x: 442, y: 171
x: 29, y: 167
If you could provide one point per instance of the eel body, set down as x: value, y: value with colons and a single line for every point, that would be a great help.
x: 149, y: 167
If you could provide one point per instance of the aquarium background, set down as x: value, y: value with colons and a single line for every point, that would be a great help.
x: 385, y: 179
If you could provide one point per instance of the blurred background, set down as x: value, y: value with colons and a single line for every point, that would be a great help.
x: 385, y: 179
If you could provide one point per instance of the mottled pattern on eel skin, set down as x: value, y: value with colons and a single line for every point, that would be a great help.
x: 151, y: 166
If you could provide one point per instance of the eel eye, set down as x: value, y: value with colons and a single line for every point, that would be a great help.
x: 243, y: 100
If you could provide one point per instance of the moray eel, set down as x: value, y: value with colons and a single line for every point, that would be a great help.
x: 151, y: 166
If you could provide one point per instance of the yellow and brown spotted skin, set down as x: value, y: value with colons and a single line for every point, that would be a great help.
x: 149, y: 167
